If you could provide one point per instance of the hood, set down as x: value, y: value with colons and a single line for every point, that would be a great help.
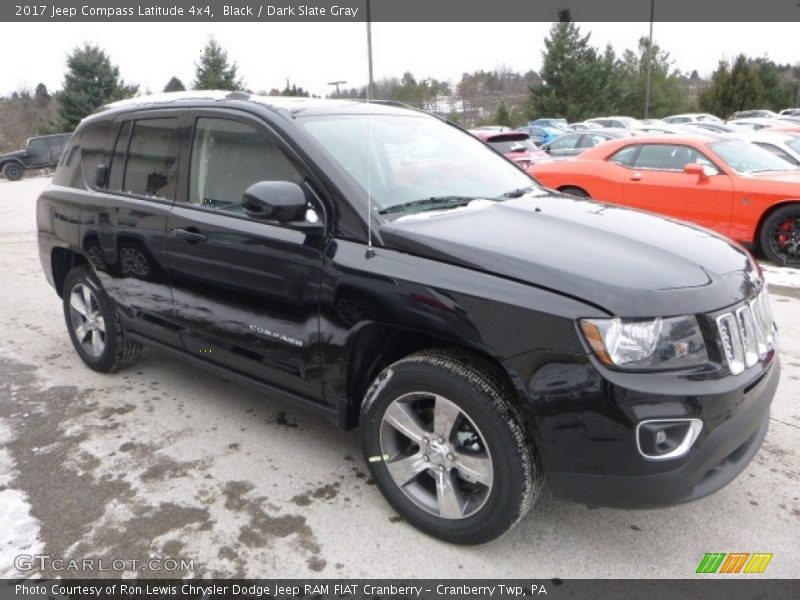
x: 15, y: 154
x: 626, y: 262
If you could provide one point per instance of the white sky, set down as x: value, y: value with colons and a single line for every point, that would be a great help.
x: 314, y: 53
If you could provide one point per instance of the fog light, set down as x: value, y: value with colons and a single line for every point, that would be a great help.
x: 663, y: 439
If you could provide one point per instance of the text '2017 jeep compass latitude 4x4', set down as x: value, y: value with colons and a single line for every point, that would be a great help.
x: 493, y: 335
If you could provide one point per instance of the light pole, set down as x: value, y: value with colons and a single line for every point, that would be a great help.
x: 649, y: 61
x: 371, y: 84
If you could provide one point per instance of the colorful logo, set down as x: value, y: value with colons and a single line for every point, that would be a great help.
x: 735, y: 562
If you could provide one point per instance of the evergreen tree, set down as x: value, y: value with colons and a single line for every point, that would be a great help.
x: 174, y: 85
x: 41, y: 95
x: 668, y: 93
x: 502, y: 116
x: 574, y: 79
x: 214, y: 72
x: 91, y: 81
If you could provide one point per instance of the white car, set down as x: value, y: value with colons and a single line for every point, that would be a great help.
x: 756, y: 123
x: 693, y: 118
x: 624, y: 122
x: 783, y: 145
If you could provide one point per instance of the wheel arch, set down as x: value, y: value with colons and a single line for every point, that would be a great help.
x: 766, y: 214
x: 376, y: 346
x: 62, y: 261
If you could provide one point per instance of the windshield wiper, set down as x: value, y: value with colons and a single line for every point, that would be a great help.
x: 431, y: 203
x: 518, y: 192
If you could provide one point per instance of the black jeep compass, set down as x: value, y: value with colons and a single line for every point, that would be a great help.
x: 383, y: 267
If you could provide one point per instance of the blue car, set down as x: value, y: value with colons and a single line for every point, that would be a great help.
x: 541, y: 135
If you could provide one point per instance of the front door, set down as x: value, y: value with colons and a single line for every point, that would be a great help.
x: 657, y: 182
x: 246, y: 292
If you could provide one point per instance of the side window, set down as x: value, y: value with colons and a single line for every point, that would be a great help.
x: 625, y: 156
x: 152, y: 158
x: 227, y: 158
x: 669, y: 157
x: 93, y: 147
x: 38, y: 152
x: 564, y: 143
x: 590, y: 140
x: 780, y: 153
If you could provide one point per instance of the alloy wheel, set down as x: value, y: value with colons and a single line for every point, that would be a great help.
x: 87, y: 321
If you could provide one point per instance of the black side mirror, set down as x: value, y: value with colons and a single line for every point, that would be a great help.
x: 281, y: 201
x: 101, y: 176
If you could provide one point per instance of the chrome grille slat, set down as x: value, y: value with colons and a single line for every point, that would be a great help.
x: 747, y: 334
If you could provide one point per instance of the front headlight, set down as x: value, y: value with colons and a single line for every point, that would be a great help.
x: 671, y: 343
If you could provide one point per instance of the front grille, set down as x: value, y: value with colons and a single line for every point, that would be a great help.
x: 748, y: 333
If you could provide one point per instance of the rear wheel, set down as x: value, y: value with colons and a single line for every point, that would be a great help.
x: 780, y: 236
x: 94, y: 325
x: 446, y: 446
x: 574, y: 191
x: 13, y: 171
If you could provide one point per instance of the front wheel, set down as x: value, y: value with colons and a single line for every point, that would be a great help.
x: 447, y: 447
x: 94, y: 325
x: 13, y: 171
x: 780, y: 236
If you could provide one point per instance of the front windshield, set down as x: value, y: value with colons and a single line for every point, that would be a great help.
x: 408, y: 159
x: 745, y: 157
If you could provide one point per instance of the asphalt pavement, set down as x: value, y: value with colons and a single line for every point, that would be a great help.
x: 164, y: 460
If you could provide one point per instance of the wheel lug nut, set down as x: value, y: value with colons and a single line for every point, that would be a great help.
x: 426, y: 441
x: 425, y: 457
x: 440, y: 467
x: 450, y: 457
x: 440, y: 440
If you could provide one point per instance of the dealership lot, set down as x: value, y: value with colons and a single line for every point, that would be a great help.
x: 166, y: 461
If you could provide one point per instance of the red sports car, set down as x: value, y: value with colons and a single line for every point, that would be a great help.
x: 725, y: 184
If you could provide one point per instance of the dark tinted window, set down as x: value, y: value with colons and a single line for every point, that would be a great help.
x: 152, y: 158
x: 625, y: 156
x: 227, y: 158
x: 93, y: 146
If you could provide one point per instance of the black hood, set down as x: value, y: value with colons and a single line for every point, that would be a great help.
x: 627, y: 262
x: 15, y: 154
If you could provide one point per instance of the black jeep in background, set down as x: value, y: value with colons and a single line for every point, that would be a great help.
x: 40, y: 153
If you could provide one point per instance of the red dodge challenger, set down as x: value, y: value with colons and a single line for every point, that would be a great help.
x: 728, y: 185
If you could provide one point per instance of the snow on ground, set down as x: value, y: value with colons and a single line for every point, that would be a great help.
x: 783, y: 276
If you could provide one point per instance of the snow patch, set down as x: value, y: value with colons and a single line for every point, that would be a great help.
x: 783, y: 276
x: 20, y: 530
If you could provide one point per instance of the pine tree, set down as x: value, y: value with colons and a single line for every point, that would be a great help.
x: 214, y: 72
x: 174, y: 85
x: 502, y: 116
x: 91, y: 81
x: 573, y: 76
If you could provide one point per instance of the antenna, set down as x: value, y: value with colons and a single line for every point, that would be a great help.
x: 370, y: 250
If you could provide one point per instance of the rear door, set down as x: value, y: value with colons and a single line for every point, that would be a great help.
x: 246, y: 291
x: 656, y: 182
x: 124, y: 220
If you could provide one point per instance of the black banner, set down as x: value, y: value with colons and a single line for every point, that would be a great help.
x: 400, y: 10
x: 734, y: 588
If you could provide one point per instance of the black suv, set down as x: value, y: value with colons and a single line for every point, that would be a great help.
x: 384, y: 268
x: 40, y: 152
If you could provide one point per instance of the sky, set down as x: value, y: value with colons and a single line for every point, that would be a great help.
x: 313, y: 54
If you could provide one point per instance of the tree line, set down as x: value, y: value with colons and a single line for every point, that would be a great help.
x: 576, y: 81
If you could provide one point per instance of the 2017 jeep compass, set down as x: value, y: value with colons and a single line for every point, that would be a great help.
x: 386, y: 269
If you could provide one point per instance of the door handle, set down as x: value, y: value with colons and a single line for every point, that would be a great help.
x: 191, y: 235
x: 636, y: 177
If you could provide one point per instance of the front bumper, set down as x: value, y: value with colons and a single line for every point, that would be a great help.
x: 605, y: 467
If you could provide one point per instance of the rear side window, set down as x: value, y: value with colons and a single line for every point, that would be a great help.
x: 152, y: 158
x: 779, y: 152
x: 625, y: 156
x: 566, y: 142
x: 93, y: 146
x: 590, y: 140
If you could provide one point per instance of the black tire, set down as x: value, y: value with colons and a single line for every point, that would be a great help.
x: 779, y: 236
x: 13, y: 171
x: 117, y: 351
x: 574, y: 191
x: 486, y: 406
